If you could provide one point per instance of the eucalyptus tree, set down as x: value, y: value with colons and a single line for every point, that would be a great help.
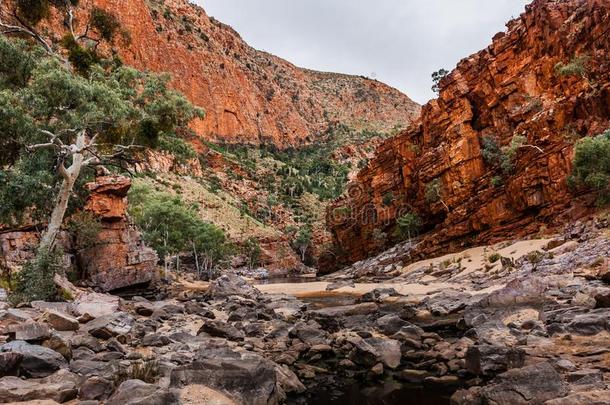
x: 56, y: 123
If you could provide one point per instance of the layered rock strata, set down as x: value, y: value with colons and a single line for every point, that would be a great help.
x: 511, y: 90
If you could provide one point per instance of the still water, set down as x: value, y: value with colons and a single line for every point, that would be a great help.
x: 383, y: 394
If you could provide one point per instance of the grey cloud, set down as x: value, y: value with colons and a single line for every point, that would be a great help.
x: 401, y: 42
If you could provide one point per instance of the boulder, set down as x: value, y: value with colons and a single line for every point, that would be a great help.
x: 366, y: 308
x: 247, y: 377
x: 36, y: 361
x: 379, y: 295
x: 369, y: 352
x: 228, y: 285
x: 95, y: 304
x: 136, y: 392
x: 60, y: 344
x: 61, y: 321
x: 9, y: 363
x: 490, y: 360
x: 591, y: 323
x: 30, y: 331
x: 200, y: 394
x: 390, y: 324
x: 448, y: 302
x: 593, y: 397
x: 61, y: 387
x: 222, y: 330
x: 95, y: 388
x: 309, y: 333
x: 531, y: 385
x: 90, y: 368
x: 109, y: 326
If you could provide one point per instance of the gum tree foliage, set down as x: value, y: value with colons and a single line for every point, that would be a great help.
x: 592, y: 166
x: 408, y: 225
x: 302, y: 241
x: 171, y: 227
x: 503, y: 158
x: 577, y: 66
x: 437, y: 77
x: 252, y: 250
x: 57, y: 124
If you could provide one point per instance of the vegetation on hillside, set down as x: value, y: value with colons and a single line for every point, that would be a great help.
x: 61, y: 117
x: 171, y: 227
x: 592, y: 166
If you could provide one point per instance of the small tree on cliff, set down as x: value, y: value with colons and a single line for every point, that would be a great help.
x: 408, y: 225
x: 436, y: 79
x: 60, y: 124
x: 434, y: 192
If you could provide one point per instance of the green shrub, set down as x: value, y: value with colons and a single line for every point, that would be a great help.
x: 178, y: 147
x: 35, y: 281
x: 252, y: 250
x: 491, y: 151
x: 80, y: 57
x: 104, y: 22
x: 497, y: 181
x: 494, y: 257
x: 535, y: 257
x: 388, y: 199
x: 17, y: 63
x: 576, y: 67
x: 171, y: 228
x: 437, y: 77
x: 501, y: 158
x: 434, y: 191
x: 408, y: 225
x: 85, y: 228
x: 591, y: 165
x: 33, y: 10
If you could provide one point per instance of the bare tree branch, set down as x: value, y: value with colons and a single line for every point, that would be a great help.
x: 24, y: 28
x: 533, y: 147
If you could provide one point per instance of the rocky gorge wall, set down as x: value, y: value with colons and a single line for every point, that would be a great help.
x: 509, y: 89
x: 249, y: 96
x: 116, y: 257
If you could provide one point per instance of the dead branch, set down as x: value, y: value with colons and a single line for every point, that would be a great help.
x: 533, y: 147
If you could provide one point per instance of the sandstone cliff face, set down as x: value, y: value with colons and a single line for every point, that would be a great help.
x: 507, y: 90
x: 249, y: 96
x: 118, y: 258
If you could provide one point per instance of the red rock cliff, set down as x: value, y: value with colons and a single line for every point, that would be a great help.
x: 509, y: 89
x: 249, y: 96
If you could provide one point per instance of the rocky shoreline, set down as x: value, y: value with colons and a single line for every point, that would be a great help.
x: 526, y: 330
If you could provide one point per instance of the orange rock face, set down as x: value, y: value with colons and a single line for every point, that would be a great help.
x: 249, y: 96
x: 510, y: 89
x: 118, y: 258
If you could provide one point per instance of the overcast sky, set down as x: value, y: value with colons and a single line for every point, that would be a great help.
x: 399, y: 42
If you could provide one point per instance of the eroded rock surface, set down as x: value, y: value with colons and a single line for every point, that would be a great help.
x: 509, y: 89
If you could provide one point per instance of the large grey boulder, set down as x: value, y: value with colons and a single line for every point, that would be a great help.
x: 108, y: 326
x: 531, y: 385
x: 136, y: 392
x: 37, y: 361
x: 490, y: 360
x: 369, y: 352
x: 222, y: 330
x: 250, y: 379
x: 229, y: 285
x: 61, y: 387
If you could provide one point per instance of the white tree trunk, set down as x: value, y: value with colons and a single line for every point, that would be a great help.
x: 70, y: 175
